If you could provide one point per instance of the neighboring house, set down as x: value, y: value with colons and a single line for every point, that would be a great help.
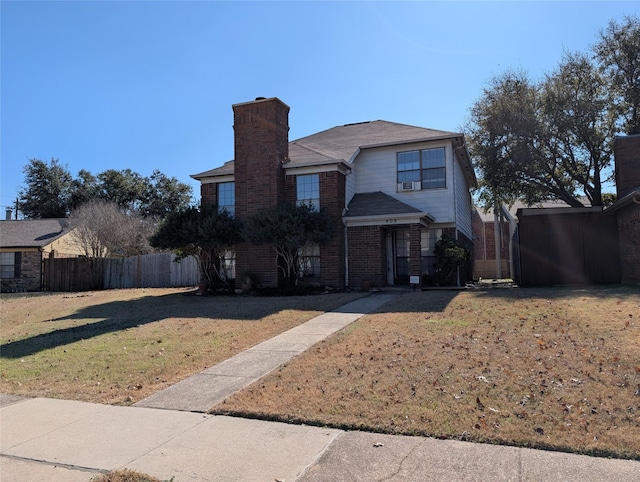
x: 391, y: 190
x: 486, y: 249
x: 23, y: 246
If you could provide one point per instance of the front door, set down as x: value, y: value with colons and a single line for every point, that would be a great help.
x: 397, y: 244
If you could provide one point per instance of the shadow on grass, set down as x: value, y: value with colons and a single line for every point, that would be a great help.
x: 122, y: 315
x: 117, y: 316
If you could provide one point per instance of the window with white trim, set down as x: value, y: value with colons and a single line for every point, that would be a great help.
x: 308, y: 190
x: 423, y: 169
x: 227, y: 197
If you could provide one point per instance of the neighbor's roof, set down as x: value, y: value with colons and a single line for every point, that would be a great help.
x: 35, y: 233
x: 343, y: 143
x: 488, y: 215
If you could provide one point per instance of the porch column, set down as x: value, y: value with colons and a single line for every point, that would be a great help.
x: 415, y: 251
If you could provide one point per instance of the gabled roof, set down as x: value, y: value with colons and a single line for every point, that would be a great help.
x: 36, y: 233
x: 340, y: 145
x: 343, y: 143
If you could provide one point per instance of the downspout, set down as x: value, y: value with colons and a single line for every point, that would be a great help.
x: 346, y: 237
x: 41, y: 252
x: 346, y: 256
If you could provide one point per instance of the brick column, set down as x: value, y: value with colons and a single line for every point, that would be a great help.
x: 627, y: 155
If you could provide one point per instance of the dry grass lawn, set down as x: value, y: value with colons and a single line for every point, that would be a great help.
x: 119, y: 346
x: 551, y: 368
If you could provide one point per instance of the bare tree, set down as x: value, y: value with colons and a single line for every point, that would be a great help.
x: 102, y: 230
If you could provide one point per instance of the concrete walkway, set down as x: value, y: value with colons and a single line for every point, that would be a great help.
x: 62, y: 440
x: 202, y: 391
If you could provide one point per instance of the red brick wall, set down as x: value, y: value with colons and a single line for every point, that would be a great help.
x: 629, y: 239
x: 484, y: 247
x: 209, y: 194
x: 627, y: 155
x: 261, y: 140
x: 332, y: 197
x: 367, y: 256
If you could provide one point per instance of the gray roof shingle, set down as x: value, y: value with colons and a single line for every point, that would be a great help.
x: 377, y: 204
x: 342, y: 143
x: 35, y: 233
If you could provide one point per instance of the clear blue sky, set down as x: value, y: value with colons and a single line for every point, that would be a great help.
x: 149, y: 85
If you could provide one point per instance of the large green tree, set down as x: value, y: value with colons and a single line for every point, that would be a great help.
x: 288, y: 230
x: 164, y: 195
x: 47, y: 190
x: 125, y: 188
x: 552, y: 139
x: 618, y: 56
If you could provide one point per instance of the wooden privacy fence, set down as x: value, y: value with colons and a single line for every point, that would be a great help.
x: 146, y: 271
x: 566, y: 246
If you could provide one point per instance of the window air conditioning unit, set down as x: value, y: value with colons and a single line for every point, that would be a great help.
x: 409, y: 186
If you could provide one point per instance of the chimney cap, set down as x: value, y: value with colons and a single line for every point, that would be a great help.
x: 261, y: 98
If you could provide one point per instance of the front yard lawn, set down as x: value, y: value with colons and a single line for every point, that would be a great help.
x: 119, y: 346
x: 554, y: 368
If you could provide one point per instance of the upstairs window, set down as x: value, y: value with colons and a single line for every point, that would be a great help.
x: 423, y: 169
x: 308, y: 190
x: 227, y: 197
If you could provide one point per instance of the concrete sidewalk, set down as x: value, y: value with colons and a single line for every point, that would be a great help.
x: 165, y: 436
x: 67, y: 441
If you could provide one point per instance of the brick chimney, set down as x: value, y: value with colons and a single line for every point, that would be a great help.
x: 261, y: 142
x: 627, y: 159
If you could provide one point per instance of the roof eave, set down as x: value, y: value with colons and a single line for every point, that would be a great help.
x: 632, y: 198
x: 389, y: 219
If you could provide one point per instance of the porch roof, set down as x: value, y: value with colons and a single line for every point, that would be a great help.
x: 379, y: 208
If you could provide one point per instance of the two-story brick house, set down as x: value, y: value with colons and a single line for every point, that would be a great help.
x: 391, y: 191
